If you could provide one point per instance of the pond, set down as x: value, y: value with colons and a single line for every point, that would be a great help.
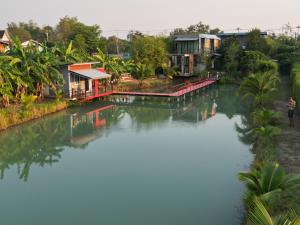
x: 128, y: 163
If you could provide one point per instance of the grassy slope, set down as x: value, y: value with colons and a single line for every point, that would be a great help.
x: 16, y: 114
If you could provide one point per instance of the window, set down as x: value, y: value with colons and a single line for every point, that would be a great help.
x: 202, y: 43
x: 191, y: 47
x: 75, y: 78
x: 212, y: 44
x: 195, y: 60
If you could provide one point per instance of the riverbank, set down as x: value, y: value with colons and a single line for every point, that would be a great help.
x: 288, y: 145
x: 283, y: 149
x: 17, y: 114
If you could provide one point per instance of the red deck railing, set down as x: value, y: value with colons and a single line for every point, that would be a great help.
x: 178, y: 91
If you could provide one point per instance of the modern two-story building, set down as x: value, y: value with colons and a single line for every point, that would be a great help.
x: 191, y: 52
x: 241, y: 37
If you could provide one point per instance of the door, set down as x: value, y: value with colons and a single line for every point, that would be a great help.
x: 191, y: 64
x: 87, y: 88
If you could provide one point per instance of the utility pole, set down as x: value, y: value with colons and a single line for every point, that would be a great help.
x: 238, y: 29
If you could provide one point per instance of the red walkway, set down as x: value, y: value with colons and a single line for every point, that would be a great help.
x: 182, y: 91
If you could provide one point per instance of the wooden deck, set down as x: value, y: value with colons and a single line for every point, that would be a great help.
x: 182, y: 91
x: 89, y: 97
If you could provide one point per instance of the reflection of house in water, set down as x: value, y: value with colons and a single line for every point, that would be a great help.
x: 192, y: 113
x: 88, y: 125
x: 198, y: 108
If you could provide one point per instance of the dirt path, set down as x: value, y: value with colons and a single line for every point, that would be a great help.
x: 289, y: 140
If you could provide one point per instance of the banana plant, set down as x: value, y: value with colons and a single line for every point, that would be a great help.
x: 259, y: 215
x: 268, y: 182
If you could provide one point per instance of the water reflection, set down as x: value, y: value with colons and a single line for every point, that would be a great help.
x: 41, y: 142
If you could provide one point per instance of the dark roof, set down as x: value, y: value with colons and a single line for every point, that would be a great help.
x: 2, y: 32
x: 239, y: 34
x: 194, y: 37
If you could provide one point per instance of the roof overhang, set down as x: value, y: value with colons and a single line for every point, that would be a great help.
x: 186, y: 39
x: 91, y: 74
x: 4, y: 42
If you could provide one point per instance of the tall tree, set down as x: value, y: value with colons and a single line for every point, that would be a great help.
x: 259, y: 86
x: 149, y: 50
x: 196, y: 29
x: 16, y: 30
x: 255, y: 41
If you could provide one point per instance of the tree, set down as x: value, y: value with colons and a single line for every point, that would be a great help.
x: 259, y: 86
x: 230, y: 56
x: 150, y: 51
x: 111, y: 64
x: 255, y: 42
x: 256, y: 62
x: 16, y: 30
x: 267, y: 182
x: 32, y: 69
x: 133, y: 34
x: 8, y: 73
x: 64, y: 29
x: 27, y: 31
x: 259, y: 215
x: 199, y: 28
x: 264, y: 134
x: 87, y: 38
x: 66, y: 53
x: 265, y: 117
x: 141, y: 71
x: 115, y: 45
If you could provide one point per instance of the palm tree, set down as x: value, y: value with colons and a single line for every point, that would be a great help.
x: 8, y: 77
x: 110, y: 64
x: 259, y: 86
x: 141, y: 72
x: 38, y: 68
x: 265, y: 117
x: 264, y: 134
x: 259, y: 215
x: 268, y: 182
x: 51, y: 76
x: 28, y: 66
x: 65, y: 54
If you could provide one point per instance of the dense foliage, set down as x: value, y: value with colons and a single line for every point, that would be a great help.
x: 296, y: 81
x: 26, y: 71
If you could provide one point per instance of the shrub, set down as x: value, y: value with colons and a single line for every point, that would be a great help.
x: 296, y: 82
x: 265, y: 117
x: 15, y: 115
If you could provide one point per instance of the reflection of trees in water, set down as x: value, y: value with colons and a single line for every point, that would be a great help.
x: 144, y: 118
x: 245, y: 130
x: 41, y: 142
x: 37, y: 143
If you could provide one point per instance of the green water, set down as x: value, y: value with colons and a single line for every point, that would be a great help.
x: 134, y: 163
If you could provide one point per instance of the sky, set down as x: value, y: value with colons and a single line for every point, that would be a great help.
x: 156, y: 16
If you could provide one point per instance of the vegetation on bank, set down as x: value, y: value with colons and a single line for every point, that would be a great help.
x: 296, y: 81
x: 257, y: 67
x: 28, y: 110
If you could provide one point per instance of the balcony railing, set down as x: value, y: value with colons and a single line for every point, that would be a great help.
x: 82, y: 93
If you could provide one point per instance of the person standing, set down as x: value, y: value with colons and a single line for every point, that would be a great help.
x: 291, y: 110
